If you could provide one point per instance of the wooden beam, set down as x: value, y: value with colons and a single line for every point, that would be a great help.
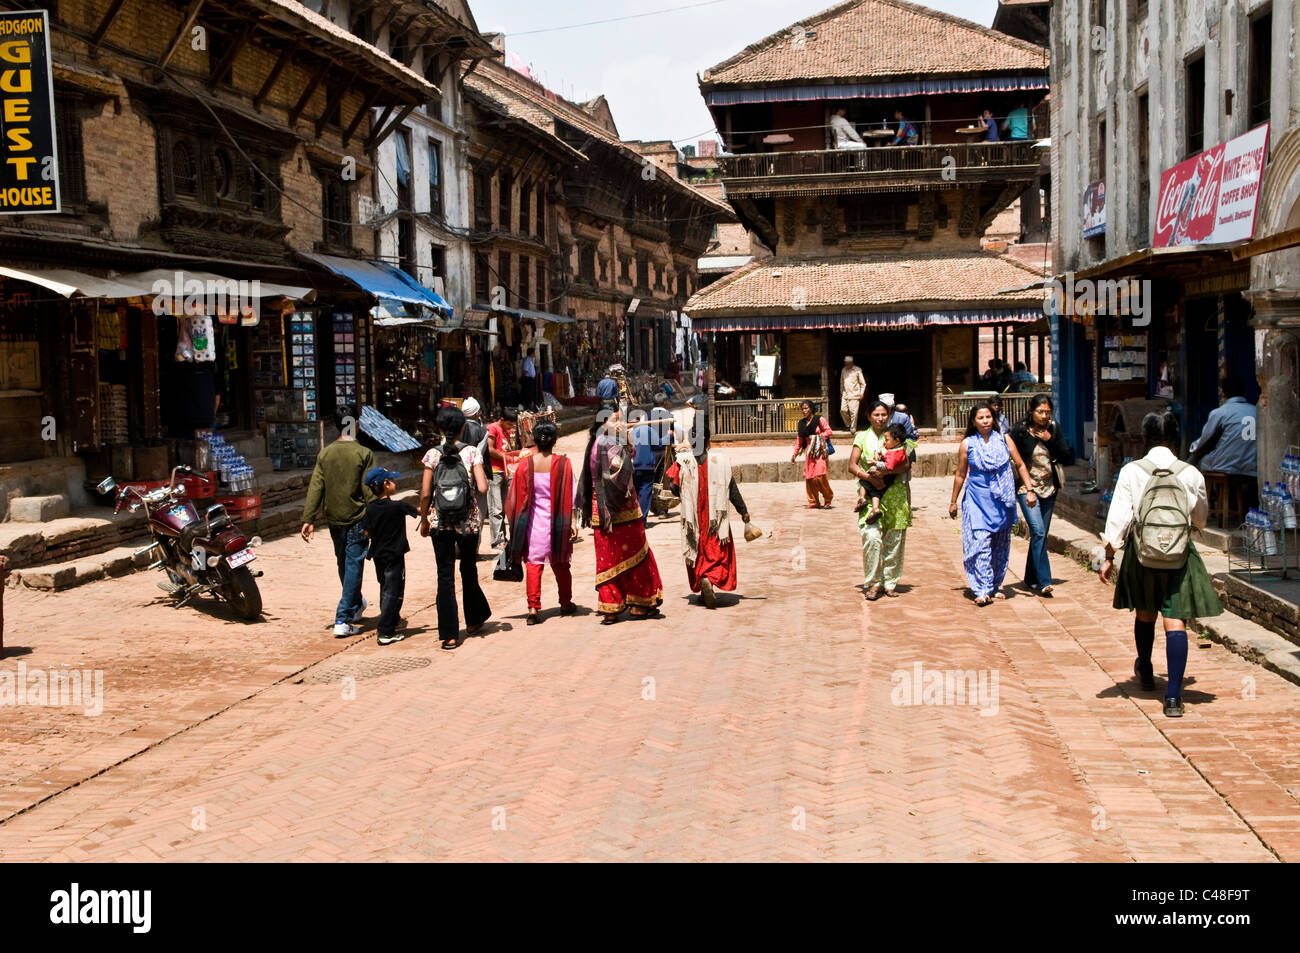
x: 1261, y: 246
x: 228, y: 60
x: 373, y: 143
x: 107, y: 22
x: 307, y: 93
x: 285, y: 56
x: 379, y: 123
x: 419, y: 44
x: 191, y: 14
x: 332, y: 99
x: 361, y: 114
x: 400, y: 31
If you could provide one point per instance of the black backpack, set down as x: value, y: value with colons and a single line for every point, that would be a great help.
x: 451, y: 489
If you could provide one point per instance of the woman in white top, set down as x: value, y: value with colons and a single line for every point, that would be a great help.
x: 1176, y: 594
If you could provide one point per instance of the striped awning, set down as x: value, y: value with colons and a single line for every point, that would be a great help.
x: 887, y: 320
x: 892, y: 90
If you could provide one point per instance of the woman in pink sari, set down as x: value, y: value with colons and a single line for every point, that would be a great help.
x: 626, y: 574
x: 540, y: 510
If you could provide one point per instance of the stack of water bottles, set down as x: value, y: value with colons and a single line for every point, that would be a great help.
x: 212, y: 452
x: 1276, y: 512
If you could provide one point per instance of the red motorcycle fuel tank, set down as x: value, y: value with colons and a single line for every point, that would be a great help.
x: 174, y: 517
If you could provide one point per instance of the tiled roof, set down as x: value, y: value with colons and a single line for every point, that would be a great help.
x: 874, y: 39
x: 531, y: 101
x: 868, y: 283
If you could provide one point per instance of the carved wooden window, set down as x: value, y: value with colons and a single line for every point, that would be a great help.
x: 336, y: 208
x: 72, y: 160
x: 185, y: 168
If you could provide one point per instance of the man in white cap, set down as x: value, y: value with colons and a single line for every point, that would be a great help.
x: 476, y: 434
x: 853, y: 384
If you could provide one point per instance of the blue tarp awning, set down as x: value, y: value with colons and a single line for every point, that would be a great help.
x: 393, y: 287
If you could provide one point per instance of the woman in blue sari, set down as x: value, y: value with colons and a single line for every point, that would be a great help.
x: 987, y: 463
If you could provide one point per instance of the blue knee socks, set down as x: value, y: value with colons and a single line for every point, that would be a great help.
x: 1176, y: 658
x: 1144, y: 637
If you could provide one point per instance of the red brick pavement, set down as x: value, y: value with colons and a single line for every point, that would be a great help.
x: 764, y: 730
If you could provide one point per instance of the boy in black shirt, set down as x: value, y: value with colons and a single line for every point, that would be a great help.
x: 385, y: 528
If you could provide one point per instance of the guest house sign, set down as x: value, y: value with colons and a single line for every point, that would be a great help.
x: 29, y: 164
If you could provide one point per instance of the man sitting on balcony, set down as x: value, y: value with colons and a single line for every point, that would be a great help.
x: 846, y: 135
x: 907, y: 134
x: 990, y: 126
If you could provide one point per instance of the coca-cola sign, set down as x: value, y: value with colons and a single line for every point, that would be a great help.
x: 1212, y: 196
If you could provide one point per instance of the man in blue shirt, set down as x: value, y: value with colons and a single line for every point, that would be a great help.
x: 990, y: 126
x: 607, y: 388
x: 1228, y: 444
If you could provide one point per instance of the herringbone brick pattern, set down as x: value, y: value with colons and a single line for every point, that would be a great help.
x: 765, y: 730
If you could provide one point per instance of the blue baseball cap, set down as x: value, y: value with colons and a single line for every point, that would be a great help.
x: 379, y: 475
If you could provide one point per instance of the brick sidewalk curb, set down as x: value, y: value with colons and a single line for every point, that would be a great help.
x: 1245, y: 638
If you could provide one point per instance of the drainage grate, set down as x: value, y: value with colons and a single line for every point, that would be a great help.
x: 364, y: 668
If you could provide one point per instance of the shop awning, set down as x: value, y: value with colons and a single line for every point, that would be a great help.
x: 525, y: 313
x: 69, y: 283
x: 393, y: 288
x: 139, y: 284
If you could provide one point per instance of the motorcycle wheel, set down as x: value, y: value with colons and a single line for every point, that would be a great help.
x: 242, y: 593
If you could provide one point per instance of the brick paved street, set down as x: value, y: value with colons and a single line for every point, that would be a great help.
x: 767, y: 729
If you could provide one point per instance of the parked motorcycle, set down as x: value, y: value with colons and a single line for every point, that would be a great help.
x: 207, y: 554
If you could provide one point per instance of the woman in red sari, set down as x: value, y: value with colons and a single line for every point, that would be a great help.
x: 708, y: 493
x: 626, y: 574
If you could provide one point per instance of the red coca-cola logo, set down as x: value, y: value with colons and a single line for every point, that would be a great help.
x: 1177, y: 222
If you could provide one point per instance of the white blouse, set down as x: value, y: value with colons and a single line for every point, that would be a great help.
x: 1128, y: 495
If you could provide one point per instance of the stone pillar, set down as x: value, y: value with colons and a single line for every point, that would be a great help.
x: 1277, y: 364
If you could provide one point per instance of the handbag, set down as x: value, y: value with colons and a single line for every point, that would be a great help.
x: 506, y: 569
x: 830, y: 447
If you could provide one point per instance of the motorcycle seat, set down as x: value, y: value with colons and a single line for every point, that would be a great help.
x: 190, y: 533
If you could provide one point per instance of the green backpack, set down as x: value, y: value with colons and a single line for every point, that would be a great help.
x: 1163, y: 532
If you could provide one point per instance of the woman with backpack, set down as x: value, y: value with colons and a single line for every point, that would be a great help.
x: 814, y: 443
x: 1158, y: 501
x: 627, y: 576
x: 540, y: 510
x: 453, y: 477
x: 1045, y: 452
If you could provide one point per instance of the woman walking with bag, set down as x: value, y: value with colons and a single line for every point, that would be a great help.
x: 626, y: 574
x: 540, y: 510
x: 1158, y: 501
x: 987, y: 464
x: 1046, y: 454
x: 815, y: 443
x: 453, y: 475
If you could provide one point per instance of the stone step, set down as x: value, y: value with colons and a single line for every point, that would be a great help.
x: 39, y: 509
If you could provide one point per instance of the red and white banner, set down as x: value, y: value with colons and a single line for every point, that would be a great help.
x: 1212, y: 197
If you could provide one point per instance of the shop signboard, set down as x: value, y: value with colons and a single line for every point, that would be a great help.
x: 1094, y: 209
x: 1212, y: 197
x: 29, y: 163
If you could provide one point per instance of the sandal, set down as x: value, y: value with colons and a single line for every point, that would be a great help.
x: 534, y: 618
x: 891, y: 593
x: 609, y: 620
x: 1000, y: 596
x: 982, y: 601
x: 873, y: 593
x: 652, y: 614
x: 452, y: 643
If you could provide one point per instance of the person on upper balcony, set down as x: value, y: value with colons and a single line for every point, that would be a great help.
x: 1019, y: 123
x: 990, y: 126
x: 907, y: 134
x: 845, y: 133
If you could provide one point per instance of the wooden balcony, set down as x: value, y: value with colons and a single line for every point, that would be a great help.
x: 952, y: 165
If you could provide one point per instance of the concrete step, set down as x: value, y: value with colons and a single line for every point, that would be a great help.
x: 39, y: 509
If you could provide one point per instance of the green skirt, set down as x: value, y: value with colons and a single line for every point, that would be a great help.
x: 1186, y: 593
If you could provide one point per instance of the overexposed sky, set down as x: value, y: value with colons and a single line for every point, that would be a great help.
x: 647, y: 67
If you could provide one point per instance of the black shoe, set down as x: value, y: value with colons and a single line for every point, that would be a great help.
x: 390, y: 639
x: 533, y: 618
x: 570, y: 609
x: 1144, y: 674
x: 1173, y: 707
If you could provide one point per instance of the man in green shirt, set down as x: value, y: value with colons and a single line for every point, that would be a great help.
x: 338, y: 493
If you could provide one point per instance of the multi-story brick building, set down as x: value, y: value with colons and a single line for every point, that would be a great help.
x: 215, y: 139
x: 876, y: 230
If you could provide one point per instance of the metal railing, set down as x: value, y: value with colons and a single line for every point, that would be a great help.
x: 881, y: 159
x: 758, y: 418
x: 957, y: 408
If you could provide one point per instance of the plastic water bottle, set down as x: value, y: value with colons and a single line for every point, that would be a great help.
x: 1287, y: 509
x: 1254, y: 539
x: 1291, y: 474
x: 1266, y: 502
x: 1270, y: 539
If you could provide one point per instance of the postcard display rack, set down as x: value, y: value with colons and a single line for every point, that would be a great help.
x: 1270, y: 537
x: 1124, y: 357
x: 284, y: 381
